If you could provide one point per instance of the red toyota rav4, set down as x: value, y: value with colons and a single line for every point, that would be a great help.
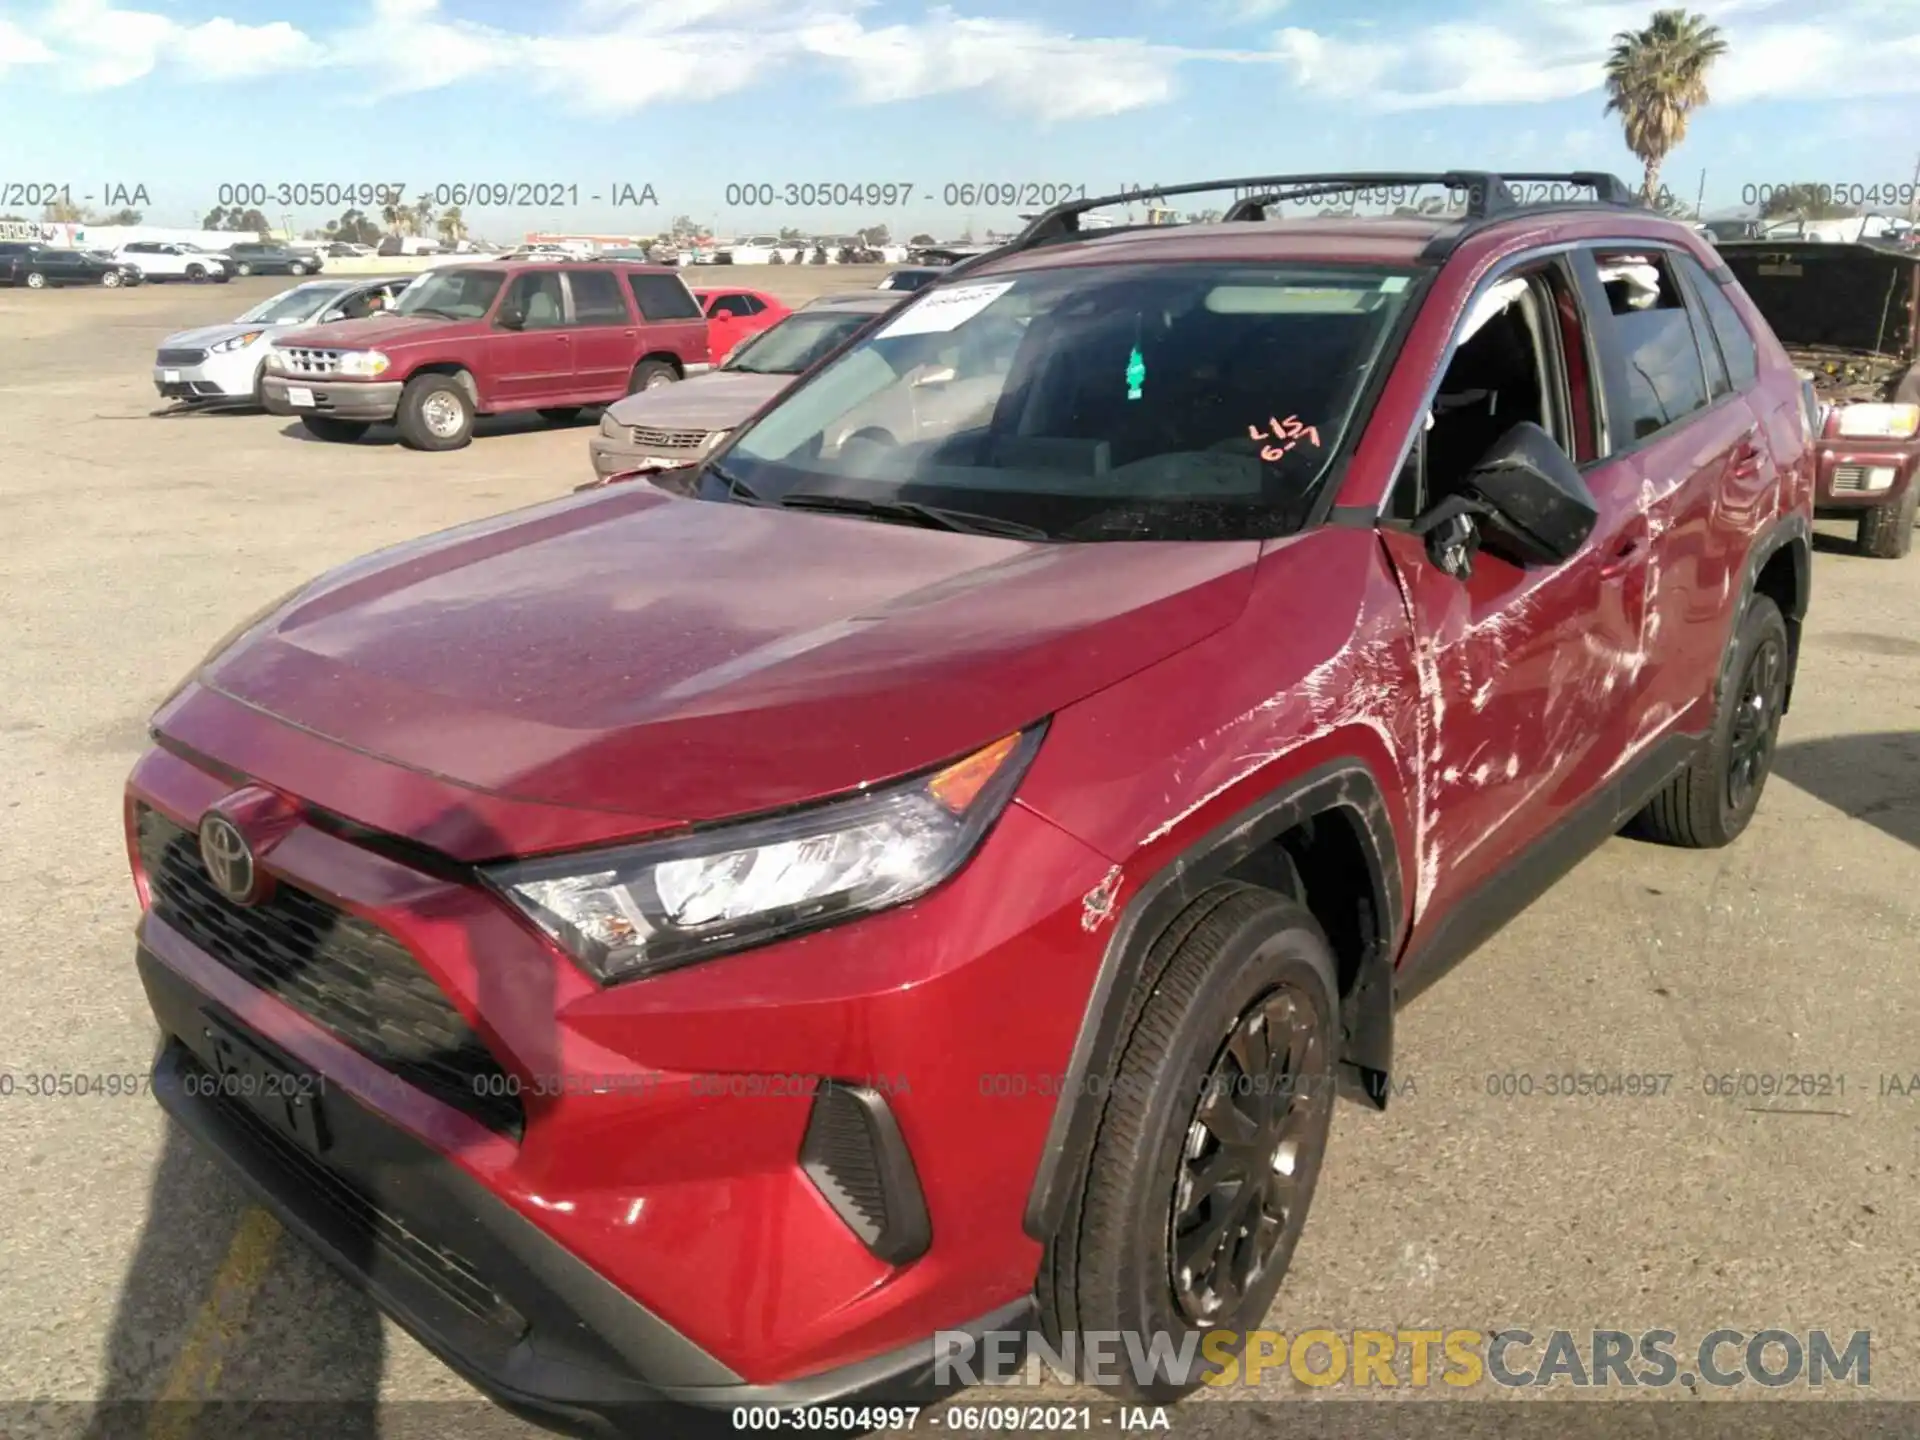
x: 701, y: 945
x: 472, y: 340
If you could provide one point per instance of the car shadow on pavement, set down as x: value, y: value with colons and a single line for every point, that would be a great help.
x: 1874, y: 778
x: 517, y: 422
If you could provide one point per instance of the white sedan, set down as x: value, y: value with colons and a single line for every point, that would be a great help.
x: 173, y: 260
x: 221, y: 363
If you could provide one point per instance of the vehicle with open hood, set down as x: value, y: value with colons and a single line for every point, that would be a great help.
x: 1849, y: 315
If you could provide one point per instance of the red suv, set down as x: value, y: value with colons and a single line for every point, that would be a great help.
x: 702, y: 945
x: 471, y: 340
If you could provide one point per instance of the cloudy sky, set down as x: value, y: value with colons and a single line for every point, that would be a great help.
x: 182, y: 96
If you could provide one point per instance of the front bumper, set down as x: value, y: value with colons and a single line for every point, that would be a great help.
x: 370, y: 400
x: 229, y: 375
x: 658, y: 1238
x: 1848, y: 468
x: 611, y: 457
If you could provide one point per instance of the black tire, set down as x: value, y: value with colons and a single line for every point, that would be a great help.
x: 1709, y: 803
x: 426, y: 399
x: 296, y: 269
x: 339, y: 432
x: 560, y: 414
x: 196, y: 274
x: 1235, y: 952
x: 650, y: 375
x: 111, y: 279
x: 1886, y: 533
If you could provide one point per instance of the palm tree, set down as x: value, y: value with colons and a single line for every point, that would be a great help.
x: 1656, y: 79
x: 453, y: 226
x: 398, y: 218
x: 422, y: 216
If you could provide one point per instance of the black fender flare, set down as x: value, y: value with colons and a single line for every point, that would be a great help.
x: 1793, y: 530
x: 1366, y: 1008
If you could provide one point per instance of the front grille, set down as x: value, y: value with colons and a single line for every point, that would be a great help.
x: 351, y: 977
x: 305, y: 361
x: 669, y: 439
x: 440, y: 1266
x: 1849, y: 477
x: 182, y: 357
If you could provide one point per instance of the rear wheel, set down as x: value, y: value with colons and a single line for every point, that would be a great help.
x: 1211, y: 1135
x: 243, y: 268
x: 340, y: 432
x: 296, y: 268
x: 111, y: 279
x: 651, y: 375
x: 1886, y: 533
x: 1709, y: 803
x: 435, y: 413
x: 196, y: 273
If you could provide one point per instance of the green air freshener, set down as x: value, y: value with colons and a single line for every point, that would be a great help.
x: 1136, y: 373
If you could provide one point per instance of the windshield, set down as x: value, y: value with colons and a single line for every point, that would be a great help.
x: 295, y: 304
x: 460, y: 294
x: 1183, y: 401
x: 796, y: 342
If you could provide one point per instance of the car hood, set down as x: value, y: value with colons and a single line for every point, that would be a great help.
x: 1850, y: 297
x: 683, y: 660
x: 206, y: 336
x: 382, y: 332
x: 718, y: 400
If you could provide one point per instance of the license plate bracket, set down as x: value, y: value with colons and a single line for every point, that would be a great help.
x: 300, y: 395
x: 172, y: 377
x: 285, y: 1098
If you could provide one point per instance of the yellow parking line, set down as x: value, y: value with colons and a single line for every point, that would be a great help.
x: 222, y: 1315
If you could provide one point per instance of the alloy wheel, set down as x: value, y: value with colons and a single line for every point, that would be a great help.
x: 1237, y: 1203
x: 442, y: 414
x: 1756, y: 723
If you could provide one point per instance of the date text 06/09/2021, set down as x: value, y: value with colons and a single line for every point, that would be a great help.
x: 992, y: 1418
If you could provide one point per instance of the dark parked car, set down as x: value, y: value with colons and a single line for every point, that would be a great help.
x: 249, y: 258
x: 1849, y: 316
x: 39, y: 266
x: 702, y: 946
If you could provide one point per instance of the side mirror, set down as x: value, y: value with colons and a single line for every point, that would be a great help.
x: 1524, y: 500
x: 511, y: 318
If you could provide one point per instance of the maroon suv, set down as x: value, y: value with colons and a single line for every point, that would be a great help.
x: 703, y: 945
x: 471, y: 340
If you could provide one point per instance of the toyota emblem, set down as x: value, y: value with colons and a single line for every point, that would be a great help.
x: 228, y: 858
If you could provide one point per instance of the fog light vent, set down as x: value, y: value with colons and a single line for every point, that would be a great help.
x: 853, y: 1152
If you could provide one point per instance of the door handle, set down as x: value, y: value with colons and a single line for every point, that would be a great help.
x: 1747, y: 456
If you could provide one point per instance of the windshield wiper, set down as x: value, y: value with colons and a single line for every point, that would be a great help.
x: 738, y: 489
x: 930, y: 517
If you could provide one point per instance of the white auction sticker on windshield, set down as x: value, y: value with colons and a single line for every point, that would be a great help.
x: 945, y: 309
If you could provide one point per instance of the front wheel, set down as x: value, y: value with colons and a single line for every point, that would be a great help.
x: 296, y: 269
x: 36, y: 281
x: 1709, y: 803
x: 111, y: 279
x: 340, y: 432
x: 435, y: 413
x: 1210, y: 1140
x: 1886, y: 533
x: 196, y: 273
x: 243, y: 268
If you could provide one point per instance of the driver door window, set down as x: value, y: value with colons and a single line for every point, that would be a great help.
x: 535, y: 298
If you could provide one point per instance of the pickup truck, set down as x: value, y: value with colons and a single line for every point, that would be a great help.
x: 482, y: 339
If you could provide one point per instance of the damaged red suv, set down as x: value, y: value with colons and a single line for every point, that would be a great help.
x: 699, y: 946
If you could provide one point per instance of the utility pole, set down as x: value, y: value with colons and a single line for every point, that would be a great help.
x: 1913, y: 195
x: 1700, y: 200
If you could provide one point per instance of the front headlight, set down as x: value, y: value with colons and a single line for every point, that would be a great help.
x: 650, y: 907
x: 238, y: 342
x: 276, y: 360
x: 364, y: 364
x: 1880, y: 422
x: 611, y: 428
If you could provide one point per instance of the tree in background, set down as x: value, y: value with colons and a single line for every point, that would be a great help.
x: 875, y: 236
x: 62, y: 212
x: 1656, y: 79
x: 1803, y: 202
x: 397, y: 218
x: 423, y: 216
x: 232, y: 217
x: 354, y: 227
x: 452, y: 226
x: 787, y: 232
x: 124, y: 217
x: 921, y: 239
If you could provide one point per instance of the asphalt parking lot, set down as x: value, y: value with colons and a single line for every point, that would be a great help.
x: 135, y: 1272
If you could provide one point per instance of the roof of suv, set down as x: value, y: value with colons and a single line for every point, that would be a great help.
x: 557, y: 262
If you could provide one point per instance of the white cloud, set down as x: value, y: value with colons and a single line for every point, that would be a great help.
x: 105, y: 46
x: 17, y: 47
